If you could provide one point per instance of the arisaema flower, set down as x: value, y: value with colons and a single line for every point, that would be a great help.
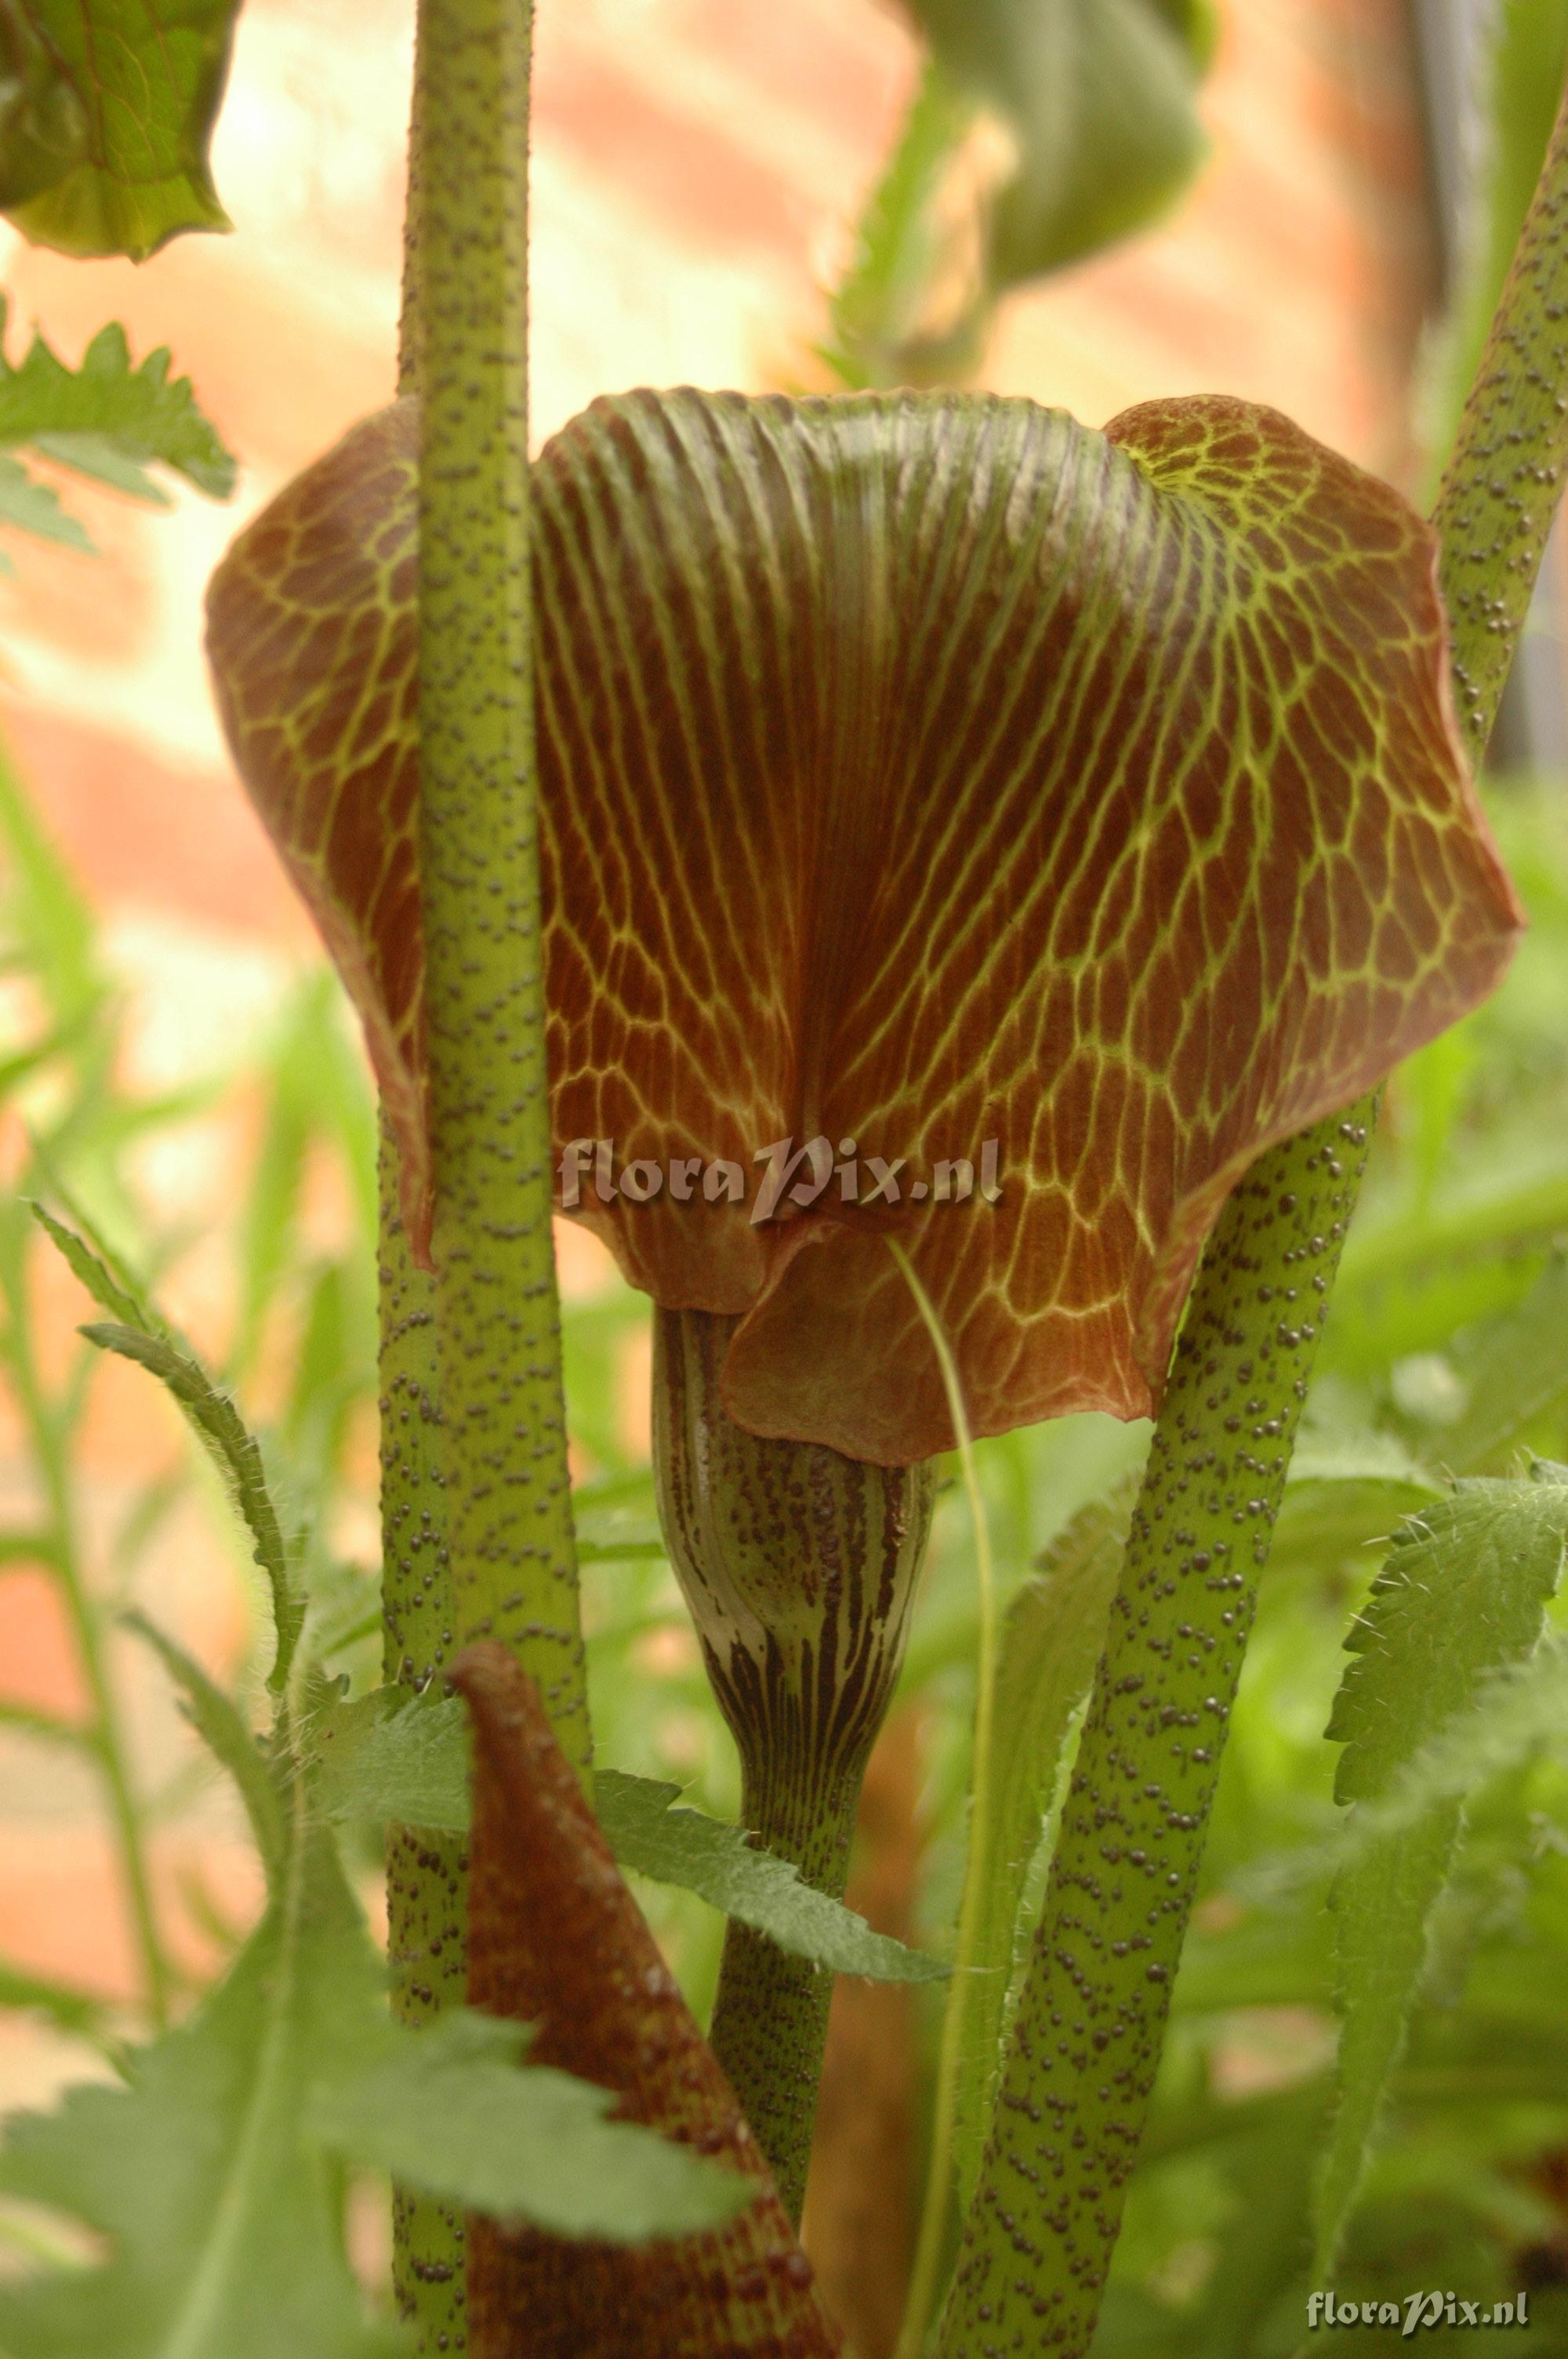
x: 1028, y: 825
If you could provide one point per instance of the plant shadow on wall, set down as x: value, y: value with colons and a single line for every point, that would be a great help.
x: 1186, y: 710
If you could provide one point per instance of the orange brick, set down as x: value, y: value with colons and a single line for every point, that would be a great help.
x: 38, y: 1663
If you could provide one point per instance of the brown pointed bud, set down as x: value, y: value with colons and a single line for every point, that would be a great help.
x: 556, y: 1940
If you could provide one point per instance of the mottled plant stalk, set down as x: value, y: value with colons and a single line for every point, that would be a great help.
x: 799, y: 1567
x: 497, y: 1325
x: 427, y: 1868
x: 1038, y: 2240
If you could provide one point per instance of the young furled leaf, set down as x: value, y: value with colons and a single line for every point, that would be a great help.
x: 1461, y: 1596
x: 556, y: 1938
x: 384, y: 1757
x: 223, y: 2224
x: 108, y: 421
x: 232, y: 1447
x: 110, y: 1284
x: 106, y: 108
x: 813, y: 674
x: 136, y: 1333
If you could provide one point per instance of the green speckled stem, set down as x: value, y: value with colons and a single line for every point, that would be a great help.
x: 1038, y: 2240
x: 427, y: 1869
x: 497, y: 1325
x: 770, y: 2016
x: 1500, y: 489
x: 1088, y: 2036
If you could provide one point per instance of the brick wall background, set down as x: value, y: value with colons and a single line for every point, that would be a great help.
x: 698, y: 165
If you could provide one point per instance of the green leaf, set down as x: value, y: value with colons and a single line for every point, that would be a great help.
x: 383, y: 1759
x: 106, y: 109
x: 35, y: 507
x: 1344, y: 1491
x: 673, y: 1845
x: 1462, y: 1595
x: 95, y: 455
x: 109, y: 1283
x: 1100, y: 95
x: 218, y: 1722
x: 110, y: 413
x: 451, y: 2113
x: 387, y: 1756
x: 233, y: 1449
x: 225, y: 2240
x: 69, y: 2010
x: 1514, y: 1367
x: 1050, y: 1641
x: 1519, y: 1709
x: 108, y: 421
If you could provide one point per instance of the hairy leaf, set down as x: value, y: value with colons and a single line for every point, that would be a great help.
x: 1050, y: 1641
x: 556, y: 1940
x: 222, y: 2222
x: 106, y: 108
x: 918, y: 771
x: 218, y: 1722
x: 219, y: 1425
x: 1519, y: 1711
x: 112, y: 1287
x: 1100, y: 97
x: 135, y: 1332
x: 383, y: 1759
x: 652, y: 1837
x: 448, y: 2111
x: 386, y: 1756
x: 1461, y: 1597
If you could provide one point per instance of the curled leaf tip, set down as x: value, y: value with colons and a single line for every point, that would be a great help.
x: 933, y: 783
x: 557, y: 1939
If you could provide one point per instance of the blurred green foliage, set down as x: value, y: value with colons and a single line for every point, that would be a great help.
x: 1042, y: 131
